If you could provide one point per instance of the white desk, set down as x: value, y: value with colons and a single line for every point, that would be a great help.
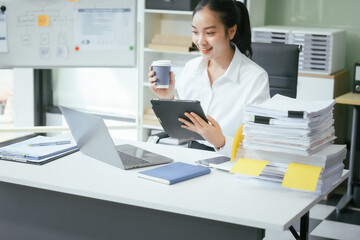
x: 78, y: 195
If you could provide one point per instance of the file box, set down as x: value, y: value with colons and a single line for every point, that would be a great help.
x: 323, y: 49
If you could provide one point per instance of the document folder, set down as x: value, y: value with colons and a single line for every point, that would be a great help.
x: 38, y: 149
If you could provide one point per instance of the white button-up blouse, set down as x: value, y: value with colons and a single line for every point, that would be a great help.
x: 244, y: 82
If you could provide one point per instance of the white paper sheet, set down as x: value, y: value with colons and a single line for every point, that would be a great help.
x: 279, y: 106
x: 104, y: 28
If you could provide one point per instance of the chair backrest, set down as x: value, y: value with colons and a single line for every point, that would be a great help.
x: 281, y: 62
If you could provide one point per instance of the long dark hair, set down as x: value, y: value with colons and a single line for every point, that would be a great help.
x: 232, y: 12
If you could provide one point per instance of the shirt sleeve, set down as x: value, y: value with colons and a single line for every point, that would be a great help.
x: 261, y: 91
x: 227, y: 148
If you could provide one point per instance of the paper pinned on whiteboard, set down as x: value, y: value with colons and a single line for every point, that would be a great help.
x: 62, y: 52
x: 104, y: 28
x: 3, y: 33
x: 44, y: 53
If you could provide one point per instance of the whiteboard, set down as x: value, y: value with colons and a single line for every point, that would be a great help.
x: 68, y: 33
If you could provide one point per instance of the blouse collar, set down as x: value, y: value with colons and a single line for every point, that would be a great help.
x: 232, y: 71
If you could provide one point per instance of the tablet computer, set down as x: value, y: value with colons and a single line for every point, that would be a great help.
x: 168, y: 112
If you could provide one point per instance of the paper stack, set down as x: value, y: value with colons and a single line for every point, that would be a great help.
x: 172, y: 43
x: 288, y: 143
x: 328, y: 162
x: 317, y: 173
x: 149, y: 118
x: 289, y: 125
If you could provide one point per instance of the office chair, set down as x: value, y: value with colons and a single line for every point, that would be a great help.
x: 280, y: 61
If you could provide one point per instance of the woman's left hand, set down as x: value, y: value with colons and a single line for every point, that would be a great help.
x: 210, y: 131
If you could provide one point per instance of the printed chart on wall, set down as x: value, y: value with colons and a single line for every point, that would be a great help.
x: 67, y: 33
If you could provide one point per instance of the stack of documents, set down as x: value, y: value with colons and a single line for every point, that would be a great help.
x: 173, y: 43
x: 317, y: 173
x: 289, y: 143
x: 149, y: 117
x: 317, y: 180
x: 289, y: 125
x: 39, y: 149
x: 322, y: 169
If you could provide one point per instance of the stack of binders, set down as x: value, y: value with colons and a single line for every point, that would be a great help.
x: 290, y: 135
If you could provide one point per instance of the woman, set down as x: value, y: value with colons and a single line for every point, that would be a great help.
x: 223, y: 78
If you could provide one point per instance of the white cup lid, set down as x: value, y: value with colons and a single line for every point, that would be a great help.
x: 161, y: 63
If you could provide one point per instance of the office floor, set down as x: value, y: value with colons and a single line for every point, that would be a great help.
x: 325, y: 223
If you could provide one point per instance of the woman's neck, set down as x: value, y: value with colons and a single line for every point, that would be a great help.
x: 217, y: 67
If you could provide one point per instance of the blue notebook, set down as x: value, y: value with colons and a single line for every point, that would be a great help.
x: 174, y: 172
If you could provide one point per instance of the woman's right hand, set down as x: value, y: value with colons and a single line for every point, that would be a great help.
x: 167, y: 93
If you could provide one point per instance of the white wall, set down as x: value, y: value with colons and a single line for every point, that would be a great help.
x: 19, y: 109
x: 108, y: 91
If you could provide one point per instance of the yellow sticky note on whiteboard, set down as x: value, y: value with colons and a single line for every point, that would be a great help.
x: 249, y: 166
x: 301, y: 176
x: 43, y: 20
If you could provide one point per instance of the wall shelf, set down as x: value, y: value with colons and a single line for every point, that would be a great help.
x: 194, y: 53
x: 160, y: 11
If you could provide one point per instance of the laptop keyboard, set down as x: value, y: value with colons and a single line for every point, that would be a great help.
x: 129, y: 160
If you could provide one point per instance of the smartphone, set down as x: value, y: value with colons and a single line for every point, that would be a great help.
x: 214, y: 160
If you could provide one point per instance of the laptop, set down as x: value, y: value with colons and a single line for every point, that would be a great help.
x: 93, y: 139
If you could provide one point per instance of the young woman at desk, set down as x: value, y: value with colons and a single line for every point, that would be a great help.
x: 223, y: 78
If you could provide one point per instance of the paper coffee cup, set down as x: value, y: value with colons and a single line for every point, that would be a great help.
x: 162, y: 70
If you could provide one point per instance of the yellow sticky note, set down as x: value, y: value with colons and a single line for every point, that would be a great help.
x: 73, y: 0
x: 249, y: 166
x: 43, y: 20
x: 301, y: 176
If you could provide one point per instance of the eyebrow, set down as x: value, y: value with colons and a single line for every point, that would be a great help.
x: 206, y: 28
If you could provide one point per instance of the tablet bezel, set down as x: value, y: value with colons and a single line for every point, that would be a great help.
x: 168, y: 112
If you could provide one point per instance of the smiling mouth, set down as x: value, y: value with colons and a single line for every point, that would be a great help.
x: 205, y: 51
